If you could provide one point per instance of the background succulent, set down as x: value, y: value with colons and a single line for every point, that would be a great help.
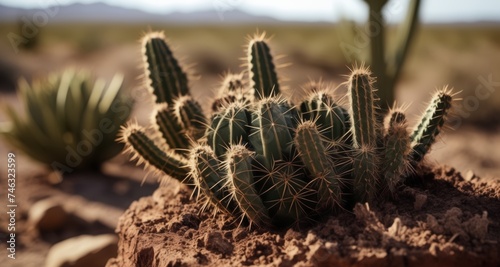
x: 267, y: 160
x: 69, y: 121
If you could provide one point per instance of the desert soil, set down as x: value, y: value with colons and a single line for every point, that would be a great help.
x: 444, y: 219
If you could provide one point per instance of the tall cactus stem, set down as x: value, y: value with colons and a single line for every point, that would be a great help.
x: 364, y: 125
x: 364, y: 128
x: 261, y: 69
x: 430, y: 124
x: 165, y: 78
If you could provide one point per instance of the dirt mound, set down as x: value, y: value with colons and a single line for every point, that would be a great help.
x: 444, y: 220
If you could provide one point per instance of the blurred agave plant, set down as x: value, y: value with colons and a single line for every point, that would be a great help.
x: 70, y: 121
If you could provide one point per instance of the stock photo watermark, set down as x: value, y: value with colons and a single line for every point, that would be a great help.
x: 11, y: 205
x: 362, y: 34
x: 31, y: 24
x: 223, y: 6
x: 471, y: 103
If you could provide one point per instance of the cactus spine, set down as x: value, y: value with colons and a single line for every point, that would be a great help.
x: 265, y: 160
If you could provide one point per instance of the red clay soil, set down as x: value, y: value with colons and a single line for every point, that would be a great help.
x: 444, y: 220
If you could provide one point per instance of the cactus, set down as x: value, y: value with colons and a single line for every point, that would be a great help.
x: 364, y: 128
x: 397, y: 148
x: 261, y: 70
x: 274, y: 164
x: 387, y: 61
x: 70, y: 123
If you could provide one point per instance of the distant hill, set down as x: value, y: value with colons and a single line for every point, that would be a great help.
x: 100, y: 12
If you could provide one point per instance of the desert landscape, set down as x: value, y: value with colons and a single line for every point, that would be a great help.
x: 450, y: 216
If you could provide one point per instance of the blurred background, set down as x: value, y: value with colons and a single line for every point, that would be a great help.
x: 453, y: 44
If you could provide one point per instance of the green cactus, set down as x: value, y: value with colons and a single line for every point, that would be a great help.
x: 240, y: 181
x: 171, y: 130
x: 397, y: 148
x: 70, y: 122
x: 262, y: 74
x: 386, y: 60
x: 332, y: 119
x: 209, y: 179
x: 270, y: 135
x: 229, y: 127
x: 431, y: 123
x: 232, y: 89
x: 314, y: 154
x: 165, y: 78
x: 364, y: 128
x: 266, y: 161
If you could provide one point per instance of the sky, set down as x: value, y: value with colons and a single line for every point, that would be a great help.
x: 310, y: 10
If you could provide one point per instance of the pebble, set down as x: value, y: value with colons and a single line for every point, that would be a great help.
x: 83, y: 251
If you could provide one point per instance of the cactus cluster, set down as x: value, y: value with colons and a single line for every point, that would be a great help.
x: 70, y: 122
x: 266, y: 160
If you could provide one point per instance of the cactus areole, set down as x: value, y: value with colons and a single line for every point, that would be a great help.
x: 260, y: 158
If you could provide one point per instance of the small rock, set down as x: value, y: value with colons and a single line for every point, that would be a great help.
x: 190, y: 220
x: 47, y: 215
x: 239, y: 234
x: 318, y: 254
x: 292, y: 235
x: 469, y: 176
x: 216, y: 243
x: 449, y: 171
x: 82, y: 251
x: 396, y: 228
x: 477, y: 226
x: 453, y: 222
x: 434, y: 225
x: 311, y: 238
x: 420, y: 200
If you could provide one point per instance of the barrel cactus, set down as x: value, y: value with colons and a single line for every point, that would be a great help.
x: 70, y: 122
x: 270, y: 162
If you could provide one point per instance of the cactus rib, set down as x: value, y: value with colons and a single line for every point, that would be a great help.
x: 190, y: 116
x: 262, y: 71
x: 314, y: 155
x: 171, y: 130
x: 166, y: 80
x: 396, y: 152
x: 430, y: 125
x: 209, y: 179
x: 270, y: 134
x: 229, y: 127
x: 364, y: 129
x: 241, y: 185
